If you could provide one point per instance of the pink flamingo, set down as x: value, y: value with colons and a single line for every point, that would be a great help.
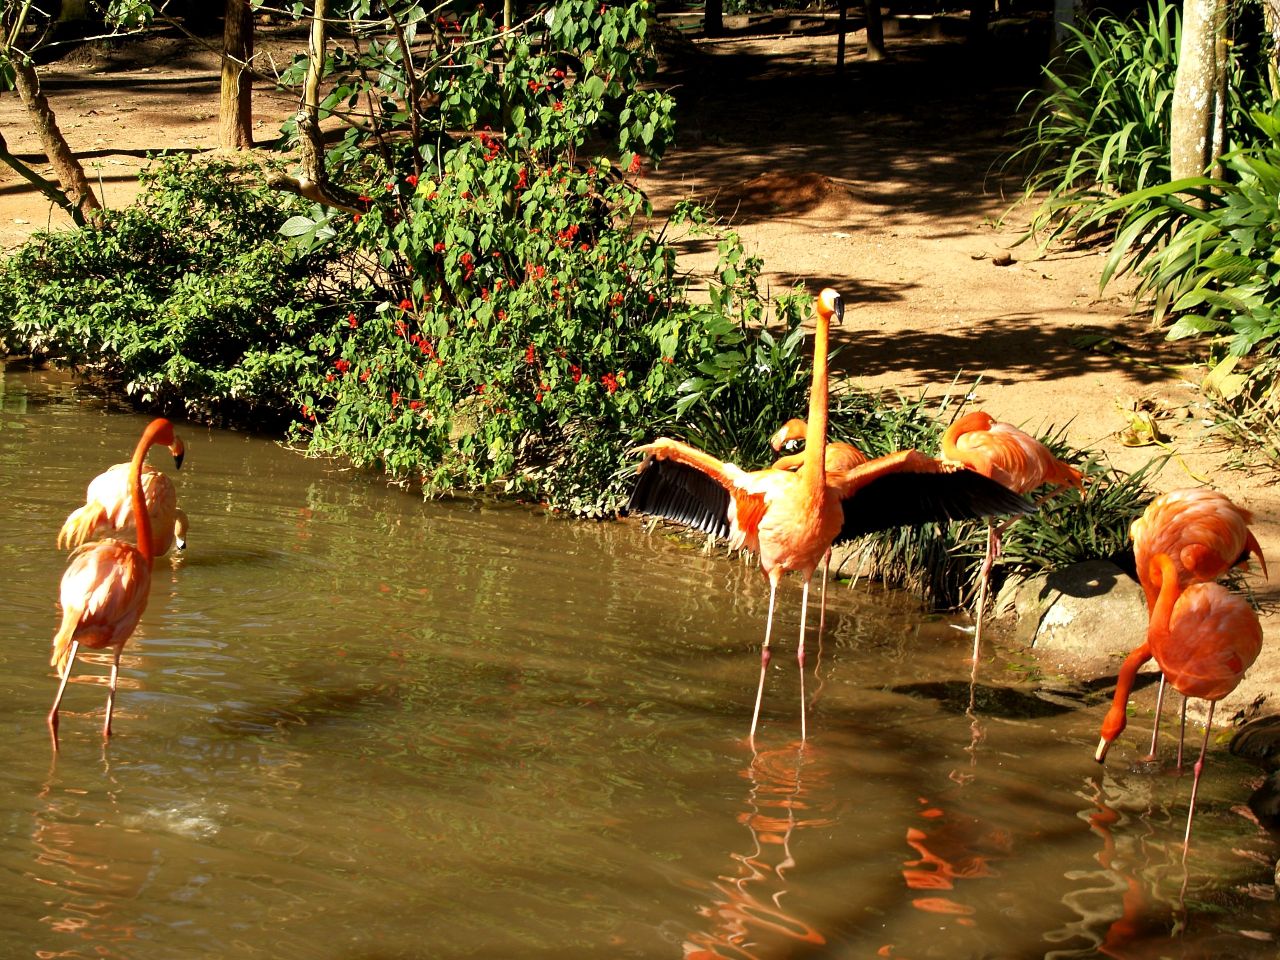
x: 792, y: 518
x: 1203, y: 638
x: 1013, y: 458
x: 106, y: 586
x: 1205, y: 535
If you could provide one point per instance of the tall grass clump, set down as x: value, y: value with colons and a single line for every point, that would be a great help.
x: 1101, y: 128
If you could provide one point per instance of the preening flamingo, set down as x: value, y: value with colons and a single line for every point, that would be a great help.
x: 106, y: 585
x: 792, y: 518
x: 1203, y: 637
x: 1205, y: 535
x: 108, y: 507
x: 1011, y: 457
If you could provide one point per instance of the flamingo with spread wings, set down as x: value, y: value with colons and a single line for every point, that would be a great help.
x: 1011, y: 457
x: 108, y: 507
x: 105, y: 588
x: 790, y: 518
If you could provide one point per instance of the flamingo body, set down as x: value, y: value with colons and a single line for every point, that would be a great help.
x: 108, y: 509
x: 1200, y: 530
x: 1007, y: 455
x: 103, y: 594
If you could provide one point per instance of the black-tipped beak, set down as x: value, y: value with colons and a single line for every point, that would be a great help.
x: 837, y: 312
x: 179, y: 451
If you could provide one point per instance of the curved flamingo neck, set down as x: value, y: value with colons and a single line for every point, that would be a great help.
x: 1113, y: 723
x: 141, y: 518
x: 1162, y: 609
x: 814, y: 466
x: 969, y: 423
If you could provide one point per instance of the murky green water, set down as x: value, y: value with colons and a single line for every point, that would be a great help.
x: 354, y: 725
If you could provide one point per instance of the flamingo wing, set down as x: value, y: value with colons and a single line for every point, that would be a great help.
x: 909, y: 488
x: 681, y: 483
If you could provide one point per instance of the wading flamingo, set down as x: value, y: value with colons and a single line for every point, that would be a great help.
x: 1205, y: 535
x: 108, y: 508
x: 1013, y: 458
x: 792, y: 519
x: 105, y: 587
x: 1203, y: 637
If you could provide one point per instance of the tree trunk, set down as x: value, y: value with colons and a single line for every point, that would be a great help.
x: 236, y: 107
x: 713, y: 18
x: 1271, y: 15
x: 875, y: 30
x: 70, y: 174
x: 1194, y: 118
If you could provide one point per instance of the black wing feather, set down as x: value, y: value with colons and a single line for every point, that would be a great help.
x: 905, y: 499
x: 676, y: 491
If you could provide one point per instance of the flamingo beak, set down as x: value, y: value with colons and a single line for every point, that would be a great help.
x: 837, y: 311
x: 178, y: 450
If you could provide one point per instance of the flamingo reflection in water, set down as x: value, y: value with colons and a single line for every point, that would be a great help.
x: 748, y: 915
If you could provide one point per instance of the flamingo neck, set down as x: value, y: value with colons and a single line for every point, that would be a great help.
x: 1113, y: 723
x: 814, y: 468
x: 142, y: 519
x: 1162, y: 609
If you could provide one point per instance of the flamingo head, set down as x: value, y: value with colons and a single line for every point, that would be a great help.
x: 830, y: 306
x: 789, y: 437
x: 177, y: 448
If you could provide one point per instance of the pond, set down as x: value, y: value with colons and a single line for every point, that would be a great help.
x: 356, y: 725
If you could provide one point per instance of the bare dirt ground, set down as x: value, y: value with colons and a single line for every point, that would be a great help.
x: 883, y: 182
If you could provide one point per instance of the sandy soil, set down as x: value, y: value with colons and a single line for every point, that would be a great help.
x: 883, y: 182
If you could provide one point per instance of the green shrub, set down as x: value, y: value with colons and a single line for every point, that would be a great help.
x: 186, y: 301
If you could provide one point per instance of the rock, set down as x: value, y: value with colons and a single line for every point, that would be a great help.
x: 1265, y: 802
x: 1259, y: 741
x: 1084, y: 619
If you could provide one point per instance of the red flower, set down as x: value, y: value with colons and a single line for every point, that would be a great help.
x: 530, y: 354
x: 610, y: 382
x: 523, y: 181
x: 616, y: 299
x: 635, y: 164
x: 342, y: 366
x: 364, y: 375
x: 415, y: 404
x: 406, y: 304
x: 576, y: 371
x: 668, y: 359
x: 468, y: 265
x: 439, y: 246
x: 355, y: 218
x: 411, y: 179
x: 395, y: 398
x: 558, y: 105
x: 351, y: 321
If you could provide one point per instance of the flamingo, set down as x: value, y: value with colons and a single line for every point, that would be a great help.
x: 790, y: 518
x: 106, y: 585
x: 1013, y: 458
x: 1203, y: 638
x: 108, y: 509
x: 1205, y: 535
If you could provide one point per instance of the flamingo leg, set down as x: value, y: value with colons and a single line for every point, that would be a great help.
x: 764, y: 657
x: 984, y: 580
x: 111, y: 692
x: 1155, y: 732
x: 1182, y: 729
x: 1195, y: 782
x: 822, y: 610
x: 57, y: 699
x: 804, y: 609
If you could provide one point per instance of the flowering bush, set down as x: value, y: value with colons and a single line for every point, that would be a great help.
x: 517, y: 325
